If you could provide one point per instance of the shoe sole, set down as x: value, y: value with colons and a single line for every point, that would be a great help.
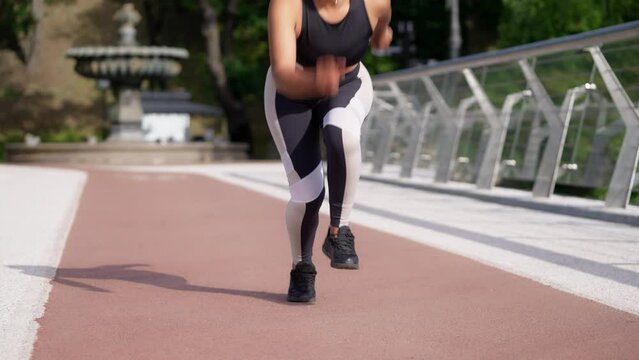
x: 300, y: 301
x: 348, y: 265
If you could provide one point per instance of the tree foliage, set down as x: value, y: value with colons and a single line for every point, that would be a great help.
x: 15, y: 22
x: 526, y: 21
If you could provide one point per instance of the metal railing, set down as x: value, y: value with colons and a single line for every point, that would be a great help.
x: 555, y: 111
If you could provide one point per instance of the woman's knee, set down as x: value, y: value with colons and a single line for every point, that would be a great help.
x: 309, y: 188
x: 346, y: 120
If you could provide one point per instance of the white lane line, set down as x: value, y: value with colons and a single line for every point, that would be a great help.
x: 37, y: 209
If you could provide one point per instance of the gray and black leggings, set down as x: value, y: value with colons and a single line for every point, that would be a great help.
x: 295, y: 126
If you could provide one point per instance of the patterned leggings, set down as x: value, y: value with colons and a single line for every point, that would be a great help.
x: 296, y: 126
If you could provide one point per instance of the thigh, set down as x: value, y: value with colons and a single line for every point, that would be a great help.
x: 295, y: 131
x: 349, y: 108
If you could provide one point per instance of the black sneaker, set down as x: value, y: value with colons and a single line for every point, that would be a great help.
x: 341, y: 249
x: 302, y: 286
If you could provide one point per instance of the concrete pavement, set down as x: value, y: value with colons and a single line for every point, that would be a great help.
x: 37, y: 208
x: 167, y: 263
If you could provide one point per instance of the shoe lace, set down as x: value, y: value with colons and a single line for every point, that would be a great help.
x: 345, y: 242
x: 302, y: 280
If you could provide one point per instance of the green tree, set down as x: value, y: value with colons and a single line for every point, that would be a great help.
x: 619, y: 11
x: 216, y: 53
x: 526, y: 21
x: 16, y: 19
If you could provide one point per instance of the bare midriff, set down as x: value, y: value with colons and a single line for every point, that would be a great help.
x: 312, y: 68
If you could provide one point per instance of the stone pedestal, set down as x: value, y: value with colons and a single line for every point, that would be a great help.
x: 127, y: 125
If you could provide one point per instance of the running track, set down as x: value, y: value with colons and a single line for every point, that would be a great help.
x: 182, y: 266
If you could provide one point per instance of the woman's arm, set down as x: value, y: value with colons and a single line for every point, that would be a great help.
x: 382, y: 34
x: 291, y: 81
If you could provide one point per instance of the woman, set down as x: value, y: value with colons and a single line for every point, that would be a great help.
x: 316, y: 83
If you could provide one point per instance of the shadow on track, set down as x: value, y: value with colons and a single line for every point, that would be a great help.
x: 131, y: 273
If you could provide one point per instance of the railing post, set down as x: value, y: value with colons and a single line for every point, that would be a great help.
x: 557, y: 126
x: 623, y: 177
x: 531, y: 156
x: 420, y: 123
x: 506, y: 113
x: 595, y: 170
x: 489, y: 169
x: 384, y: 147
x: 378, y: 105
x: 449, y: 139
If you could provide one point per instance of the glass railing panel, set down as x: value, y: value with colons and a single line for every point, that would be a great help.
x: 499, y: 81
x: 523, y: 145
x: 623, y: 58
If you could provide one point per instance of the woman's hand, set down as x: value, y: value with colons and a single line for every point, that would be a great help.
x: 329, y: 70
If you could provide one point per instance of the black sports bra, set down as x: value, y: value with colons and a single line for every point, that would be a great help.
x: 348, y: 38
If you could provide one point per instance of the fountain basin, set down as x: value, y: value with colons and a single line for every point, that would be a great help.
x: 128, y: 64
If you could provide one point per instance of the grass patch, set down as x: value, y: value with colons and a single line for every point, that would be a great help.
x: 64, y: 136
x: 11, y: 136
x: 16, y: 136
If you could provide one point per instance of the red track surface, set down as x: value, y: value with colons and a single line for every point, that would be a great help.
x: 184, y: 267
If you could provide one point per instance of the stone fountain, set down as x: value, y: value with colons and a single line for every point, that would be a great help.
x: 126, y: 66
